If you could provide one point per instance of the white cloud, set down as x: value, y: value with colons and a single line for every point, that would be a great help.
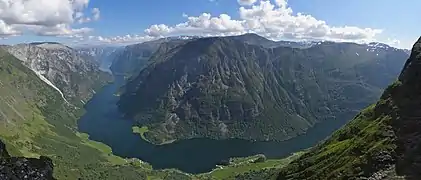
x: 96, y: 13
x: 44, y: 17
x: 393, y: 42
x: 246, y: 2
x: 60, y: 30
x: 272, y: 20
x: 203, y: 24
x: 6, y: 30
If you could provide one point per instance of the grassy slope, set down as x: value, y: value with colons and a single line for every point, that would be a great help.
x: 241, y: 167
x: 361, y: 148
x: 34, y: 120
x: 141, y: 131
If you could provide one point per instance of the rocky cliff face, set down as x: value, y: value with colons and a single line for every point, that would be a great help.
x: 36, y: 121
x: 381, y: 142
x: 17, y: 168
x: 104, y: 55
x: 133, y: 58
x: 61, y: 67
x: 226, y: 88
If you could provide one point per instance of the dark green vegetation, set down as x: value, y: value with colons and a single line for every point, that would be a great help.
x: 243, y: 168
x: 77, y: 78
x: 104, y: 123
x: 382, y: 142
x: 36, y: 121
x: 225, y: 88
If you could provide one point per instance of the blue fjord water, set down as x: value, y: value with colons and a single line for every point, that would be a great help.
x: 104, y: 123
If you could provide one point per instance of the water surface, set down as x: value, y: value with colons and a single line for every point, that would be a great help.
x: 104, y: 123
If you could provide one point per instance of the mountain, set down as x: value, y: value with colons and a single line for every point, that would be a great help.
x: 36, y: 121
x: 61, y: 67
x: 133, y: 58
x: 101, y: 54
x: 381, y: 142
x: 224, y: 88
x: 24, y: 168
x: 254, y: 39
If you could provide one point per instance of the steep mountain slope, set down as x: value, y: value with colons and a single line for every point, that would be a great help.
x: 382, y: 142
x: 135, y: 57
x: 35, y: 120
x: 104, y: 55
x: 225, y: 88
x: 24, y: 168
x: 61, y: 67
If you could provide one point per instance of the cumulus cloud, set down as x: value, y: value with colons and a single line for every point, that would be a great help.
x: 6, y: 30
x: 272, y: 20
x: 61, y: 30
x: 96, y: 14
x: 44, y: 17
x: 203, y: 24
x: 246, y: 2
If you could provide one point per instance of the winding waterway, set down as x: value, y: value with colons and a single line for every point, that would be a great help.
x: 104, y: 123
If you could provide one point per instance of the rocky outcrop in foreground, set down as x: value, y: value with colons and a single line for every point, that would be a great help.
x: 19, y: 168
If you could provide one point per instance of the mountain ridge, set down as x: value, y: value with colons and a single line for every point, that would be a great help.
x: 382, y: 142
x: 253, y: 76
x: 61, y: 67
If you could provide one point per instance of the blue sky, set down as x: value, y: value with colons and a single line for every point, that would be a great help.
x: 387, y: 21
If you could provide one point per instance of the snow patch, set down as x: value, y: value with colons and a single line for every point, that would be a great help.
x: 50, y: 84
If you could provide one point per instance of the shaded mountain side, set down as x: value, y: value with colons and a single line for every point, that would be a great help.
x: 62, y: 68
x: 16, y: 168
x: 133, y: 58
x: 35, y: 121
x: 104, y: 55
x: 224, y: 88
x: 381, y: 142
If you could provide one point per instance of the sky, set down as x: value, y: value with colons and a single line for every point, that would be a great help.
x: 73, y: 22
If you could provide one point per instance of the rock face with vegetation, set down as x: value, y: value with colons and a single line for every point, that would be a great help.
x: 104, y: 55
x: 24, y: 168
x: 35, y: 121
x: 133, y: 58
x: 61, y: 67
x: 226, y: 88
x: 381, y: 142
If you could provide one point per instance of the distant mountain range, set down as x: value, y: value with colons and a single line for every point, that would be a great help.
x: 132, y: 58
x: 250, y: 87
x: 104, y: 55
